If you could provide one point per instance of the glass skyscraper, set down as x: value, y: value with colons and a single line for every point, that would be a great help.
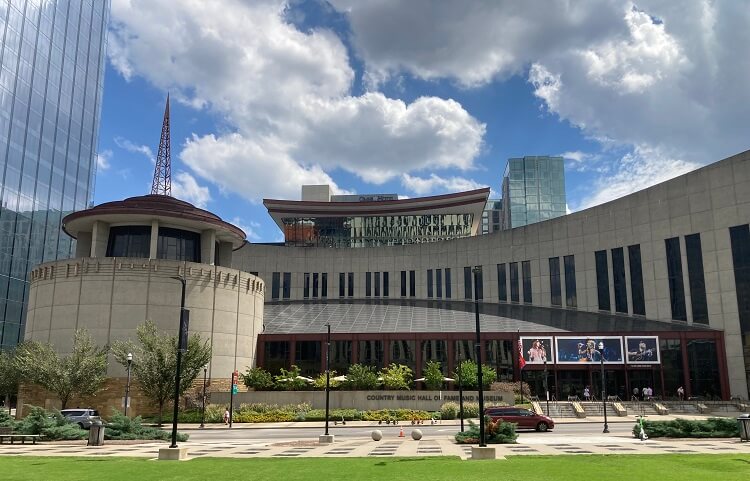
x: 533, y: 190
x: 51, y: 77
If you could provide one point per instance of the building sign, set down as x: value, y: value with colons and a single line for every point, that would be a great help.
x: 577, y: 349
x: 537, y: 349
x: 642, y: 349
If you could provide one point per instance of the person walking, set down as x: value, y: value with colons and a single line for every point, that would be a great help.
x: 635, y: 394
x: 226, y: 416
x: 681, y: 393
x: 586, y: 394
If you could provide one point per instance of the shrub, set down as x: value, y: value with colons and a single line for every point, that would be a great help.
x: 468, y: 374
x: 50, y: 425
x: 396, y: 376
x: 449, y: 410
x: 361, y: 377
x: 258, y: 378
x: 512, y: 387
x: 396, y: 415
x: 320, y: 381
x: 123, y: 427
x: 433, y: 375
x: 684, y: 428
x: 291, y: 380
x: 5, y: 420
x: 498, y: 432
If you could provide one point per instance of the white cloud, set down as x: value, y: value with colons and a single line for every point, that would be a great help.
x: 129, y: 146
x: 435, y: 183
x: 103, y: 159
x: 286, y: 95
x: 251, y: 228
x: 185, y: 187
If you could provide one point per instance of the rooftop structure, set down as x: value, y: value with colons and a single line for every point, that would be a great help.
x: 533, y: 190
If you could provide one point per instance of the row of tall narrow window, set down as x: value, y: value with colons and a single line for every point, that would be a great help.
x: 619, y: 280
x: 511, y: 270
x: 569, y: 266
x: 380, y: 289
x: 435, y: 283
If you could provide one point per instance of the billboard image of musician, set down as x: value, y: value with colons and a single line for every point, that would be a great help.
x: 575, y: 350
x: 642, y: 349
x: 537, y: 349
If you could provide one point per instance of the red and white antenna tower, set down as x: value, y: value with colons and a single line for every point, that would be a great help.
x: 162, y: 183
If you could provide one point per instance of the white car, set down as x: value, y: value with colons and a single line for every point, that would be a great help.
x: 83, y: 417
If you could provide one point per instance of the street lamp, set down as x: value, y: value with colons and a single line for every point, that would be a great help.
x: 181, y: 345
x: 127, y: 385
x: 328, y: 373
x: 604, y: 387
x: 460, y: 393
x: 546, y: 387
x: 203, y: 408
x: 478, y: 270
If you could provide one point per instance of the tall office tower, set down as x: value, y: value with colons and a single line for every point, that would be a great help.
x: 492, y: 216
x: 51, y: 77
x: 533, y: 190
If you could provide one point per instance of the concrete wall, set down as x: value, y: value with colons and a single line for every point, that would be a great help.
x: 363, y: 400
x: 707, y: 201
x: 110, y: 297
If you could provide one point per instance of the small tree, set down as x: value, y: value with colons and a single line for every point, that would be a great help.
x: 9, y: 375
x: 320, y: 381
x: 257, y: 378
x: 396, y: 376
x: 155, y: 362
x: 433, y: 375
x: 468, y: 372
x: 290, y: 380
x: 82, y: 373
x: 362, y: 377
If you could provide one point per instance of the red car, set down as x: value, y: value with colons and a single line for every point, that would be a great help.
x: 523, y: 418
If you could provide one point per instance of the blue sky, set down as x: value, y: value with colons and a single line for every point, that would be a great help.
x: 415, y: 98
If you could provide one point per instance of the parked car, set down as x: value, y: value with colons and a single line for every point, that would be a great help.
x: 523, y: 418
x: 83, y: 417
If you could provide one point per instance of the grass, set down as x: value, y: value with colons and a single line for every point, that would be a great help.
x: 666, y: 467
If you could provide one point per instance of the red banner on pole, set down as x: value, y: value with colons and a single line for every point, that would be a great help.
x: 521, y: 360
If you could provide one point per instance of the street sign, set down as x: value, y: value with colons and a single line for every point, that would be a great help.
x: 234, y: 389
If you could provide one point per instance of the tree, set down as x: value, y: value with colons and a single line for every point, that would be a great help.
x: 82, y: 373
x: 9, y: 375
x: 433, y: 375
x: 320, y: 382
x: 362, y: 377
x: 155, y: 362
x: 396, y: 376
x: 468, y: 371
x: 257, y: 378
x: 291, y: 380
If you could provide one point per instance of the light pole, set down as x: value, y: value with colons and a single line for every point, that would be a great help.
x: 460, y: 393
x: 203, y: 408
x: 127, y: 385
x: 604, y: 387
x: 546, y: 387
x: 181, y: 345
x: 328, y: 374
x: 478, y: 270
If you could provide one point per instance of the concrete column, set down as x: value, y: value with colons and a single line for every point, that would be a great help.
x: 83, y: 245
x: 152, y: 251
x: 225, y: 254
x: 208, y: 246
x: 99, y: 238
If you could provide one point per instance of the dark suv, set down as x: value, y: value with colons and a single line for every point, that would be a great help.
x: 523, y: 418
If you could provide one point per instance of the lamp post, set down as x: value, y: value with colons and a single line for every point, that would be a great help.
x: 604, y: 387
x: 328, y: 374
x: 127, y: 385
x: 478, y: 270
x: 181, y: 344
x: 460, y: 393
x: 546, y: 387
x: 203, y: 407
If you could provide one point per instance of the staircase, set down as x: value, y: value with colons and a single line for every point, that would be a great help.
x: 640, y: 408
x: 559, y: 410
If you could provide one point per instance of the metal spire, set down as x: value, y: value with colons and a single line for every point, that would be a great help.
x: 162, y: 183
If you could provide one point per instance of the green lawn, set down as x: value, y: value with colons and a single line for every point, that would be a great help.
x: 664, y: 467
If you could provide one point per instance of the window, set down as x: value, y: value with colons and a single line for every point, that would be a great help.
x: 275, y: 280
x: 514, y: 281
x: 554, y: 281
x: 439, y: 283
x: 703, y: 365
x: 287, y: 285
x: 696, y: 279
x: 636, y: 279
x: 502, y: 283
x: 178, y: 245
x: 307, y: 357
x: 306, y: 289
x: 371, y: 353
x: 315, y: 277
x: 618, y: 279
x: 429, y: 283
x: 129, y: 241
x: 324, y: 284
x: 385, y: 284
x: 740, y: 239
x: 276, y: 356
x: 377, y: 284
x: 526, y: 272
x: 403, y: 283
x: 674, y: 274
x: 571, y: 298
x: 447, y: 283
x: 412, y: 284
x: 350, y: 284
x: 368, y: 284
x: 602, y: 280
x: 342, y: 284
x: 467, y: 283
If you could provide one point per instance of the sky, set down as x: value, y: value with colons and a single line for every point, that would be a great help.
x: 417, y: 97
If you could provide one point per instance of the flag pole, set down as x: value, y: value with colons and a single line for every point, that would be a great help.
x: 521, y: 363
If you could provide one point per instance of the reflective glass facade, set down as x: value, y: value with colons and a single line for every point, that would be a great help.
x: 533, y: 190
x: 373, y: 231
x: 51, y: 74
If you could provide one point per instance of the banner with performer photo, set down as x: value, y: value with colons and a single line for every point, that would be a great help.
x: 536, y: 349
x: 642, y: 349
x: 577, y: 349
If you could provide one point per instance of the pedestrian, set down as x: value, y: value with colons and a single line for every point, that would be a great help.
x: 635, y: 393
x: 226, y: 416
x: 586, y: 393
x: 681, y: 393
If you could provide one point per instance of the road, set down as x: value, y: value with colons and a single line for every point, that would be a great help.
x: 574, y: 431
